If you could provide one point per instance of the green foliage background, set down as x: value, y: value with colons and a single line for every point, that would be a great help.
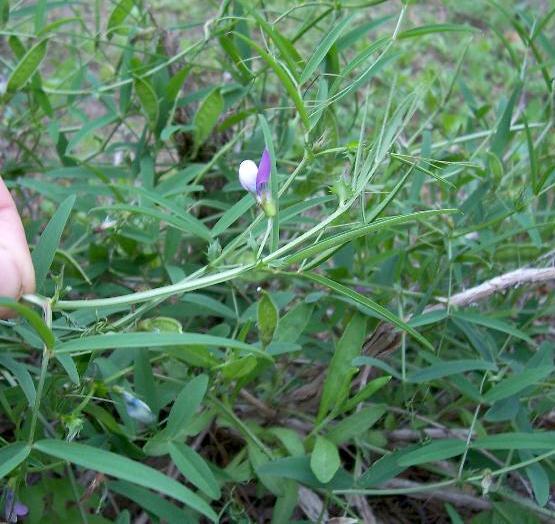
x: 296, y: 363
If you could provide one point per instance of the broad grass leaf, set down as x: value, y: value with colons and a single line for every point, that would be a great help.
x: 27, y: 66
x: 517, y: 382
x: 35, y: 321
x: 207, y: 116
x: 194, y: 469
x: 48, y: 243
x: 437, y: 450
x: 324, y: 461
x: 123, y: 468
x: 447, y: 368
x: 12, y: 456
x: 340, y: 371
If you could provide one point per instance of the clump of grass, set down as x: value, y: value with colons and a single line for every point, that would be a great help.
x: 368, y: 330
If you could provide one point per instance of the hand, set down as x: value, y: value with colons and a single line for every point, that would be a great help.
x: 17, y: 275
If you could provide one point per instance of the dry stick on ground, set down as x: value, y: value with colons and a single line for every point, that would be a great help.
x: 498, y: 284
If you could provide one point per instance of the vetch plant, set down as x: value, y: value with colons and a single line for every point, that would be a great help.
x: 167, y: 372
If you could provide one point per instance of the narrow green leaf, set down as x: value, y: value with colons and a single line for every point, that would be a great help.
x: 186, y: 405
x: 151, y: 340
x: 37, y: 323
x: 340, y: 371
x: 267, y: 319
x: 22, y: 376
x: 123, y: 468
x: 324, y: 460
x: 323, y: 47
x: 88, y: 128
x: 118, y: 16
x: 366, y: 392
x: 492, y: 323
x: 4, y: 12
x: 355, y: 424
x: 382, y: 312
x: 517, y: 382
x: 293, y: 323
x: 445, y: 369
x: 194, y: 468
x: 27, y: 66
x: 437, y: 450
x: 357, y: 232
x: 435, y: 28
x: 148, y: 99
x: 299, y: 469
x: 184, y: 222
x: 12, y: 456
x: 176, y: 83
x: 207, y: 116
x: 49, y: 241
x: 285, y: 79
x: 523, y: 440
x: 233, y: 214
x: 151, y: 502
x: 502, y: 134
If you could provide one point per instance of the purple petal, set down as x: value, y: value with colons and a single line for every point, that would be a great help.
x: 263, y: 175
x: 21, y: 510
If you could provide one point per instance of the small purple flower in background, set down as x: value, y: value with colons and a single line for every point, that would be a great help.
x: 256, y: 179
x: 13, y: 509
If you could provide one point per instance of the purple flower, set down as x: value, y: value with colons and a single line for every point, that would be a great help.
x: 256, y: 180
x: 13, y: 509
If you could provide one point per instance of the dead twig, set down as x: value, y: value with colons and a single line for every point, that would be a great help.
x: 519, y: 277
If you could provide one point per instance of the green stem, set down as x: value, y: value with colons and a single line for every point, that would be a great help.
x: 47, y: 310
x: 161, y: 292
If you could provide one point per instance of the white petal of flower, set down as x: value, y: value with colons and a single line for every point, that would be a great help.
x: 247, y: 175
x: 137, y: 409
